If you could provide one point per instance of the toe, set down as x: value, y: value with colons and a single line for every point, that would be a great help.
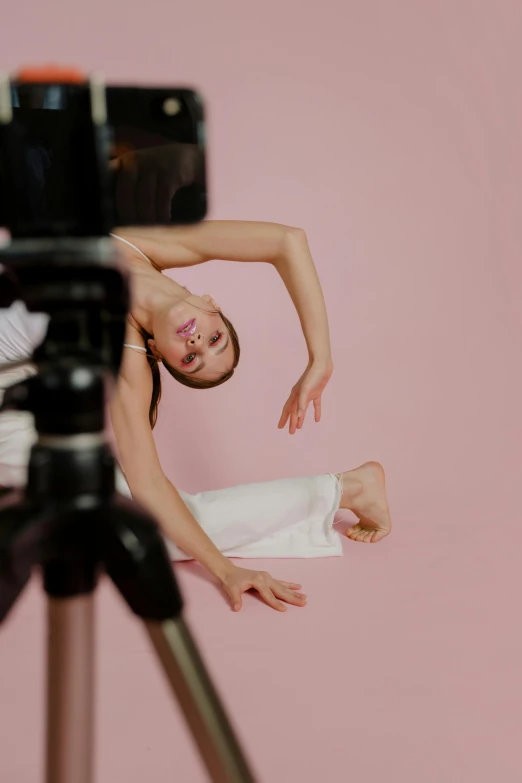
x: 380, y: 534
x: 365, y: 535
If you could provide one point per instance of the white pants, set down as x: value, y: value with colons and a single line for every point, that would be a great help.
x: 287, y: 518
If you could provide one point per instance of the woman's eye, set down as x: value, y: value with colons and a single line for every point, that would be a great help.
x: 190, y: 358
x: 215, y: 338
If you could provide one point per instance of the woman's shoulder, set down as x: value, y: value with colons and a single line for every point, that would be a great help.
x: 132, y: 254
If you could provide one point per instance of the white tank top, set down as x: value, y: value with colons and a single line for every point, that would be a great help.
x: 21, y: 332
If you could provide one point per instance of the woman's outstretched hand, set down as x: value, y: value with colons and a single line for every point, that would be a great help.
x: 308, y: 388
x: 238, y: 580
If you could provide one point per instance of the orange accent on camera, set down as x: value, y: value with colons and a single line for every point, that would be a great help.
x: 51, y: 74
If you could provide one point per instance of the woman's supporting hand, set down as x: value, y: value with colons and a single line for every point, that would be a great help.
x: 308, y: 388
x: 237, y: 581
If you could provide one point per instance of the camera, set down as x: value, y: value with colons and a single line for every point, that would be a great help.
x: 77, y: 159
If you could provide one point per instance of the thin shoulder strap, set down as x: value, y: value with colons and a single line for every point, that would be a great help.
x: 115, y: 236
x: 135, y: 347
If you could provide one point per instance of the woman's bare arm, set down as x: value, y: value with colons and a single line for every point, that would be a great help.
x: 142, y: 468
x: 284, y: 247
x: 172, y: 247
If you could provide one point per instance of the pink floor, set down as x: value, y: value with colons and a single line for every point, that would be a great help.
x: 404, y: 667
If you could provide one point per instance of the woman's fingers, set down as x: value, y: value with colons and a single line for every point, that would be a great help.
x: 304, y: 401
x: 272, y: 591
x: 295, y: 410
x: 268, y: 596
x: 286, y: 413
x: 234, y: 594
x: 295, y: 417
x: 284, y: 418
x: 290, y: 596
x: 293, y: 422
x: 289, y: 410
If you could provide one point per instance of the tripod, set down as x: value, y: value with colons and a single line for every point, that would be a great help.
x: 72, y: 524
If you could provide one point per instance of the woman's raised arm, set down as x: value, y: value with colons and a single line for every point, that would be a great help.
x: 284, y: 247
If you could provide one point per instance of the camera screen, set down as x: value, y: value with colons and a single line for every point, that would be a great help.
x: 157, y: 164
x: 62, y: 175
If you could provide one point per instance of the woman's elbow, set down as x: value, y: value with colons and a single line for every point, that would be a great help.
x: 293, y: 239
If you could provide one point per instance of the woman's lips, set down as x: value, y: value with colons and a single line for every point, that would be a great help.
x: 188, y: 329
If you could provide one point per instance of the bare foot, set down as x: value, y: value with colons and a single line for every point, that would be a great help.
x: 364, y: 493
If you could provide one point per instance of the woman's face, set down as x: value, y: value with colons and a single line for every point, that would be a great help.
x: 192, y: 338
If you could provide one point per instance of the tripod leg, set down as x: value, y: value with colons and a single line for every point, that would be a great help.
x: 64, y: 541
x: 137, y: 561
x: 199, y: 702
x: 70, y: 687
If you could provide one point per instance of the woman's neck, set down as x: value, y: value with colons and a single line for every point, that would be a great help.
x: 152, y: 293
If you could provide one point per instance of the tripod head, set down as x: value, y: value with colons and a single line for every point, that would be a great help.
x: 85, y: 291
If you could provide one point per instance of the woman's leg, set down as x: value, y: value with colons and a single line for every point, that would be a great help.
x: 284, y: 518
x: 289, y: 518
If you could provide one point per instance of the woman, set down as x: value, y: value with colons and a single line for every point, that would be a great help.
x: 200, y: 348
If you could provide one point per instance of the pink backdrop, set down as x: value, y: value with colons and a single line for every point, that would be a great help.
x: 391, y: 133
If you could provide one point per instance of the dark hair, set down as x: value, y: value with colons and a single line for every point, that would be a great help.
x: 186, y: 380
